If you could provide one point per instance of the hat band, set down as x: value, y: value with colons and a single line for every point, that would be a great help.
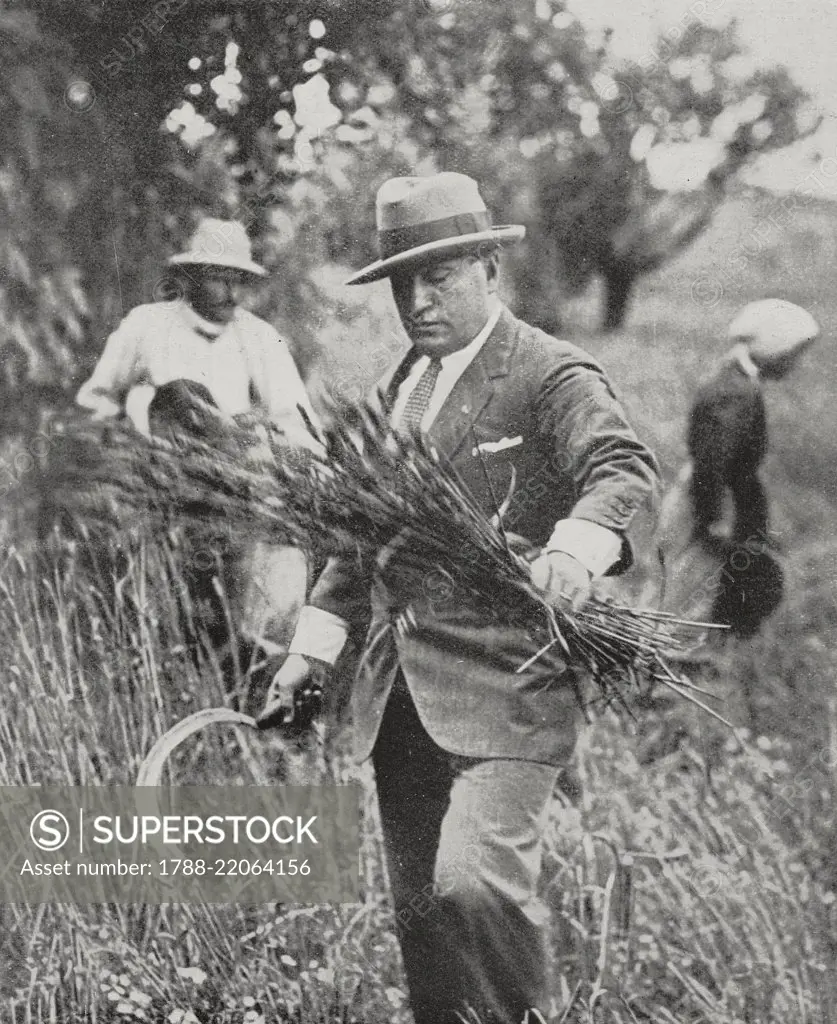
x: 400, y: 240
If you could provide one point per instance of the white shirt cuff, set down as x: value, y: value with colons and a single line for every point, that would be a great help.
x: 137, y: 403
x: 101, y: 407
x: 319, y: 634
x: 596, y: 547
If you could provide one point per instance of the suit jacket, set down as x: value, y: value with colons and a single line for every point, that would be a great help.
x: 727, y: 439
x: 573, y: 454
x: 727, y: 422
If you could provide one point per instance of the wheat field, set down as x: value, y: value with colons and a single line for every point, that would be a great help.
x: 693, y: 883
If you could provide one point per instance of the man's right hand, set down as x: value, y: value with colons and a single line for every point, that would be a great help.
x: 280, y: 703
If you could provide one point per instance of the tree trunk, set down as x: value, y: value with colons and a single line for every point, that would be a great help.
x: 618, y: 283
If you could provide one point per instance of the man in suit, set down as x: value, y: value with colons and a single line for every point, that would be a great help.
x: 466, y: 752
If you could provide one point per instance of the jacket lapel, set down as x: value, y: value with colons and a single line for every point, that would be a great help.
x: 395, y: 376
x: 474, y: 389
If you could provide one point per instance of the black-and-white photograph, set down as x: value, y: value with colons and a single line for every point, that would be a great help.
x: 418, y: 593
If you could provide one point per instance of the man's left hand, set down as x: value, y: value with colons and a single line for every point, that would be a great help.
x: 566, y: 583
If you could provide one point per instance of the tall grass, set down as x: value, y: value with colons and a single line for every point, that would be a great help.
x: 698, y: 902
x: 680, y: 891
x: 91, y: 678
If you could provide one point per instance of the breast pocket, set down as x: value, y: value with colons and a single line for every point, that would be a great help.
x: 494, y: 460
x: 490, y: 446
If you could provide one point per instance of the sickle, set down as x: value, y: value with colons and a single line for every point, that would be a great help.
x: 151, y: 770
x: 150, y: 774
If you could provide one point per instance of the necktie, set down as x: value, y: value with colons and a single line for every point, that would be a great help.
x: 420, y: 396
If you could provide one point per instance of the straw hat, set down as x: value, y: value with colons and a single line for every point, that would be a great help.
x: 773, y: 329
x: 220, y: 243
x: 439, y: 215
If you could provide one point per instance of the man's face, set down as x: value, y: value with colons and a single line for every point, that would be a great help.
x: 444, y: 304
x: 214, y: 292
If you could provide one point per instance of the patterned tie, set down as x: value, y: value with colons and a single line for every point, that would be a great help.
x: 420, y: 396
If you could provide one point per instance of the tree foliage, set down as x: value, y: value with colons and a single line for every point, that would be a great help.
x: 100, y: 179
x: 44, y: 181
x: 560, y: 132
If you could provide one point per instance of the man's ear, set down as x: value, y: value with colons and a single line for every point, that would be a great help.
x: 491, y: 262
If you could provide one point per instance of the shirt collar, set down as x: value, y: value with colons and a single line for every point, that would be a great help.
x: 206, y: 328
x: 740, y: 355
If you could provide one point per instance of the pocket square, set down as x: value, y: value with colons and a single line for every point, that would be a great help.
x: 497, y: 446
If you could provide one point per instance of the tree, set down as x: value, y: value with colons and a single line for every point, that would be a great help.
x: 43, y: 181
x: 101, y: 177
x: 601, y: 210
x: 560, y: 134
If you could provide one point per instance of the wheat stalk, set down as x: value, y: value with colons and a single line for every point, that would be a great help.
x: 368, y: 491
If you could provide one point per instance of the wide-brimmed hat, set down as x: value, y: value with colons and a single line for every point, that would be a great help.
x: 773, y: 329
x: 442, y: 214
x: 220, y: 243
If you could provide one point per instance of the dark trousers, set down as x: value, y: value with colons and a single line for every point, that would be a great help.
x: 463, y: 844
x: 709, y: 486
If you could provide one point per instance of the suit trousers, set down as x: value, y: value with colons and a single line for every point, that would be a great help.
x: 463, y: 841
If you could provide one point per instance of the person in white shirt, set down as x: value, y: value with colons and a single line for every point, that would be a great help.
x: 204, y: 338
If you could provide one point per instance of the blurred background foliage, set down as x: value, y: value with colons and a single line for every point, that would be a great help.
x: 123, y: 121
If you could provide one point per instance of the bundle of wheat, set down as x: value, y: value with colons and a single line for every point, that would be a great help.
x: 370, y: 492
x: 105, y: 475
